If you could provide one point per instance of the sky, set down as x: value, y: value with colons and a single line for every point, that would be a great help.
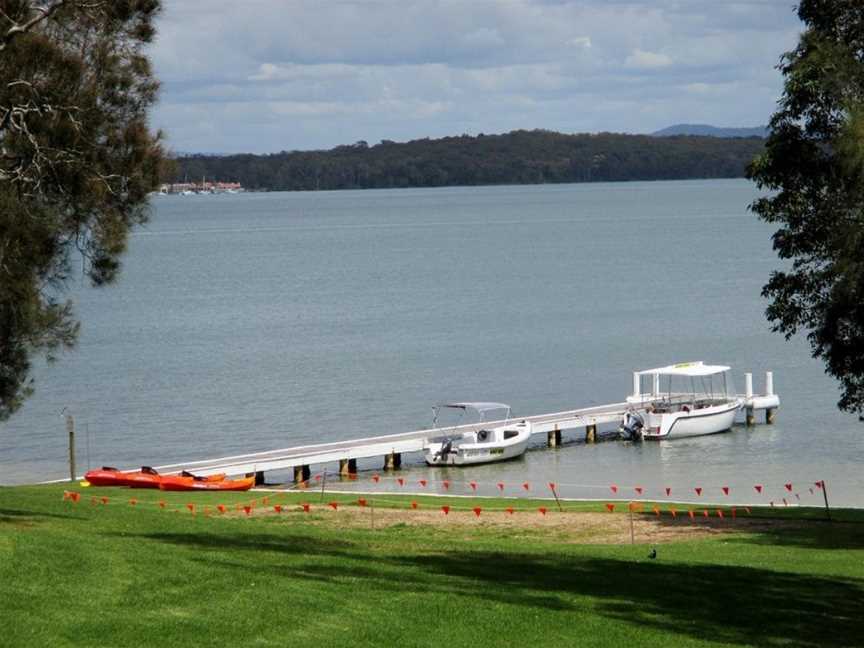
x: 263, y: 76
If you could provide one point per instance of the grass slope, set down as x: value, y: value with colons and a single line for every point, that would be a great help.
x: 120, y: 575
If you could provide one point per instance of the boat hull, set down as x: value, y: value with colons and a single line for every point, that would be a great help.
x: 192, y: 484
x: 699, y: 422
x: 470, y: 454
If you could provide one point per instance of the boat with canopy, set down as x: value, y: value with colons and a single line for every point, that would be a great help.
x: 478, y: 442
x: 680, y: 400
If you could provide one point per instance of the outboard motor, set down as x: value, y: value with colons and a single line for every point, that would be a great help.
x: 631, y: 427
x: 444, y: 451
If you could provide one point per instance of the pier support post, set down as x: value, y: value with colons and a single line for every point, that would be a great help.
x: 393, y: 461
x: 769, y: 415
x: 301, y: 474
x: 553, y: 437
x: 259, y: 477
x: 750, y: 417
x: 347, y: 467
x: 591, y: 433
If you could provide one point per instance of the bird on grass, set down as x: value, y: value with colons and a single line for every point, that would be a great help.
x: 653, y: 553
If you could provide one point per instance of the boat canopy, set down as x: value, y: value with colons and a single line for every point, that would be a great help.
x: 691, y: 369
x: 480, y: 407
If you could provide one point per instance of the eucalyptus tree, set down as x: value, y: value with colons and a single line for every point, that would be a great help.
x: 813, y: 165
x: 77, y: 161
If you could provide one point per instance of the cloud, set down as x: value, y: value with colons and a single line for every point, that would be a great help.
x: 642, y: 60
x: 267, y: 74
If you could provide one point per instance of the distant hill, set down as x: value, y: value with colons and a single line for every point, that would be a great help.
x: 711, y: 131
x: 519, y: 157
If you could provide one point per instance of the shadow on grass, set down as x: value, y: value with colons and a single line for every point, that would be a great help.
x: 723, y: 603
x: 807, y: 534
x: 18, y: 516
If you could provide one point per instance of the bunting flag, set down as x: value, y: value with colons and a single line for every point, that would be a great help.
x: 758, y: 488
x: 501, y: 486
x: 413, y: 504
x: 542, y: 510
x: 725, y: 490
x: 306, y: 507
x: 446, y: 510
x: 698, y: 490
x: 133, y: 502
x: 788, y: 487
x: 162, y: 504
x: 668, y: 491
x: 552, y: 486
x: 317, y: 478
x: 422, y: 482
x: 526, y: 486
x: 191, y: 508
x: 477, y: 510
x: 248, y: 510
x: 376, y: 478
x: 473, y: 486
x: 277, y: 508
x: 361, y: 501
x: 104, y: 500
x: 610, y: 508
x: 638, y: 490
x: 400, y: 481
x: 819, y: 484
x: 446, y: 484
x: 221, y: 508
x: 334, y: 505
x: 509, y: 510
x: 613, y: 488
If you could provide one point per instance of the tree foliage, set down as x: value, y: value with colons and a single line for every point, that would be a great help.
x: 76, y: 163
x: 813, y: 165
x: 519, y: 157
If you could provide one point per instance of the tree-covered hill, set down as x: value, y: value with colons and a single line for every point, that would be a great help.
x: 519, y: 157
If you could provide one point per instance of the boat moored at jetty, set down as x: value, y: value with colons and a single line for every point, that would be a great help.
x: 477, y: 443
x: 683, y: 400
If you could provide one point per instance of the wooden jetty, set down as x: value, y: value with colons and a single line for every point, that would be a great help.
x: 391, y: 447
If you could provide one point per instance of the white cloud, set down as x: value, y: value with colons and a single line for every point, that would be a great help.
x: 642, y: 60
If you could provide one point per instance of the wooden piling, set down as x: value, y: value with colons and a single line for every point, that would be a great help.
x: 769, y: 416
x: 591, y: 433
x: 393, y: 461
x: 301, y: 474
x: 553, y: 437
x: 750, y: 417
x: 259, y: 477
x: 347, y: 467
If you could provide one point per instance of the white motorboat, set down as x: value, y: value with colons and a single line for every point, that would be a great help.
x: 478, y: 442
x: 683, y: 400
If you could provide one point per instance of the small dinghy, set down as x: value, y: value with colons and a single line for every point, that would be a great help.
x: 147, y: 477
x: 480, y: 442
x: 172, y: 483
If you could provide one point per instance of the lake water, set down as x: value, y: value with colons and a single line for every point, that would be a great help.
x: 259, y: 321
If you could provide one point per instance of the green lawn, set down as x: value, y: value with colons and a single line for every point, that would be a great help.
x: 121, y: 575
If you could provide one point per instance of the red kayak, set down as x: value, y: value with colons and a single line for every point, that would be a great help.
x: 147, y: 477
x: 198, y: 484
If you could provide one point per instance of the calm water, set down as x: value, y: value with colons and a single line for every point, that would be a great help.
x: 253, y: 322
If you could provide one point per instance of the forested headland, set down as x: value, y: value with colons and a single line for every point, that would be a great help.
x: 518, y: 157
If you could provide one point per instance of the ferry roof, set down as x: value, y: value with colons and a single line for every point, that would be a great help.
x: 686, y: 369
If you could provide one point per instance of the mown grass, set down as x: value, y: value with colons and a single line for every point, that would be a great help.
x: 132, y: 575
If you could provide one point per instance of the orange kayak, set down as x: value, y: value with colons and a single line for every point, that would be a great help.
x: 147, y: 477
x: 197, y: 484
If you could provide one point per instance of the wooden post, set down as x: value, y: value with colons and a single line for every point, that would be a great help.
x: 70, y: 428
x: 750, y: 417
x: 825, y: 495
x: 393, y: 461
x: 301, y: 474
x: 591, y: 433
x: 769, y: 415
x: 553, y: 437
